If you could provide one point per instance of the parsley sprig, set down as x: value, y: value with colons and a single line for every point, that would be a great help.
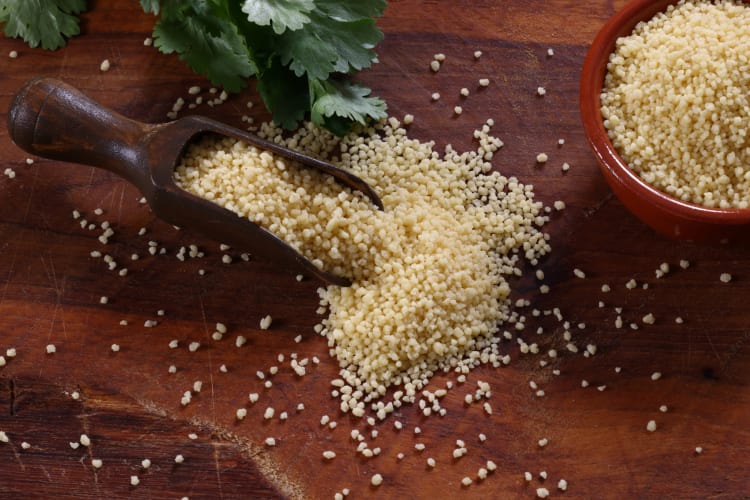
x: 302, y: 52
x: 41, y: 22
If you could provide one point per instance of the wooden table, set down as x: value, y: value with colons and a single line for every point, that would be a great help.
x: 128, y: 404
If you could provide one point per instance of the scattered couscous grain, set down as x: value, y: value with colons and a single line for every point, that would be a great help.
x: 104, y: 66
x: 265, y: 322
x: 376, y: 480
x: 725, y: 277
x: 651, y: 425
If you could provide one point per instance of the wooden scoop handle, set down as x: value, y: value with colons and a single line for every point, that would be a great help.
x: 54, y: 120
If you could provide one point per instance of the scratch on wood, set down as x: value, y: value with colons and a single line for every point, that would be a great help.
x: 47, y: 474
x: 710, y: 342
x: 217, y: 462
x: 210, y: 357
x: 12, y: 396
x: 119, y: 207
x: 20, y: 462
x: 11, y: 268
x: 52, y: 276
x: 31, y: 195
x: 63, y: 64
x: 92, y: 171
x: 590, y: 212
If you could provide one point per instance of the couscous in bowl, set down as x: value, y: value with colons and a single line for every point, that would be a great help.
x: 666, y: 213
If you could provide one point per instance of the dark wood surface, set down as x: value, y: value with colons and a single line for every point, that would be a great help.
x: 129, y: 405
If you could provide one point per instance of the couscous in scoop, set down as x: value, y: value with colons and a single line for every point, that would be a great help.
x: 51, y: 119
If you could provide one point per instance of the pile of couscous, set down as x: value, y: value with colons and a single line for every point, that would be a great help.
x: 429, y: 272
x: 676, y: 102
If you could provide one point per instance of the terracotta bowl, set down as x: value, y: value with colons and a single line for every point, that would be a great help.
x: 666, y: 214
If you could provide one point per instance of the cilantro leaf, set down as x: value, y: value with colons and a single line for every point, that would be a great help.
x: 208, y: 42
x: 45, y: 22
x: 151, y: 6
x: 334, y: 100
x: 351, y: 11
x: 300, y: 51
x: 280, y: 14
x: 326, y: 45
x: 284, y: 93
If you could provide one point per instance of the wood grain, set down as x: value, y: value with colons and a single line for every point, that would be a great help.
x: 129, y: 404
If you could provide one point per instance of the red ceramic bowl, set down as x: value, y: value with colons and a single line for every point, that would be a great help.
x: 666, y: 214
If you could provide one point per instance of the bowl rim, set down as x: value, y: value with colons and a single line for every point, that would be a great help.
x: 592, y: 80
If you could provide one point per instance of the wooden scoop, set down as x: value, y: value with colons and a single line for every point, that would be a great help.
x: 51, y: 119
